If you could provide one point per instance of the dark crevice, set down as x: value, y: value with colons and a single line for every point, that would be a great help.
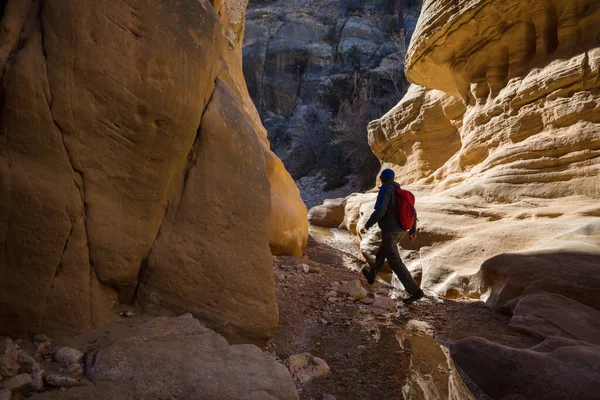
x: 191, y: 161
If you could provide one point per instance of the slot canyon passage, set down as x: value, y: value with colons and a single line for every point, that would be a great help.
x: 158, y: 159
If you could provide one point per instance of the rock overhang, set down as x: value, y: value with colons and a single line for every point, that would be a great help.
x: 471, y: 48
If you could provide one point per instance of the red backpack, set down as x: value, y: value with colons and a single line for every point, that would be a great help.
x: 405, y: 208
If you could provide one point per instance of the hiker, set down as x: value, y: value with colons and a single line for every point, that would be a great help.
x: 387, y: 215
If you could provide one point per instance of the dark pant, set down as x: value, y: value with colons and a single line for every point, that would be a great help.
x: 389, y: 250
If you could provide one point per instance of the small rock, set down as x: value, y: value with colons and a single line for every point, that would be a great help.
x: 363, y: 311
x: 368, y: 300
x: 303, y: 268
x: 30, y: 366
x: 323, y: 321
x: 385, y: 303
x: 27, y: 364
x: 305, y: 367
x: 67, y: 356
x: 328, y: 397
x: 37, y: 379
x: 8, y: 358
x: 127, y: 314
x: 41, y: 338
x: 332, y: 299
x: 324, y: 314
x: 361, y: 348
x: 16, y: 383
x: 331, y: 293
x: 379, y: 311
x: 5, y: 394
x: 419, y: 326
x: 57, y: 380
x: 353, y: 289
x: 42, y: 348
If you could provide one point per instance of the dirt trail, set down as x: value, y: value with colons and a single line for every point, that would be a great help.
x: 362, y: 346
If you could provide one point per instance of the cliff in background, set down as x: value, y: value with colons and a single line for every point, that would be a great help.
x: 134, y: 167
x: 318, y: 72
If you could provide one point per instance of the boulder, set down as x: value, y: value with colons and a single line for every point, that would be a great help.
x: 305, y: 367
x: 432, y: 373
x: 189, y: 279
x: 178, y: 357
x: 98, y: 156
x: 548, y: 314
x: 570, y: 274
x: 328, y: 215
x: 556, y: 368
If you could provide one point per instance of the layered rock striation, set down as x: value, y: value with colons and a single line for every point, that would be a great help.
x: 134, y: 167
x: 499, y: 139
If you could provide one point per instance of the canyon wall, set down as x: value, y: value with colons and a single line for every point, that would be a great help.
x: 499, y: 138
x: 134, y: 167
x: 514, y: 143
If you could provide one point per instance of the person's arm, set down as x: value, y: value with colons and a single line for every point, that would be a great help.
x: 413, y: 231
x: 381, y: 206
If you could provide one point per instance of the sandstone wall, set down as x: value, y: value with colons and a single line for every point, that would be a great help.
x: 133, y: 166
x: 505, y: 163
x: 499, y: 139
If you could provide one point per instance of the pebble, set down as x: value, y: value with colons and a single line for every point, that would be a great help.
x: 361, y: 348
x: 331, y: 293
x: 368, y: 300
x: 306, y: 367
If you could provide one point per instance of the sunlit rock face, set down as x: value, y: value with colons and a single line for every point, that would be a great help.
x: 499, y: 139
x: 134, y: 167
x: 472, y: 48
x: 505, y: 155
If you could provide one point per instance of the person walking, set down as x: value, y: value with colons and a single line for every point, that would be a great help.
x: 393, y: 209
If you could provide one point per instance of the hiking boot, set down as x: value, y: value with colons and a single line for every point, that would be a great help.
x: 414, y: 297
x: 367, y: 273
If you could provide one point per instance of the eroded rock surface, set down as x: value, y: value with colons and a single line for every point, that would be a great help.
x: 113, y: 131
x: 188, y: 361
x: 500, y: 142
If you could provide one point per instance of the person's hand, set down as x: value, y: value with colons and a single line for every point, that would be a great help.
x: 363, y: 231
x: 413, y: 237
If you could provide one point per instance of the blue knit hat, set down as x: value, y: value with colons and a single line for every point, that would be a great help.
x: 387, y: 175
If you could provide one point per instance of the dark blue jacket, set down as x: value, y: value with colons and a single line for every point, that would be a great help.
x: 386, y: 199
